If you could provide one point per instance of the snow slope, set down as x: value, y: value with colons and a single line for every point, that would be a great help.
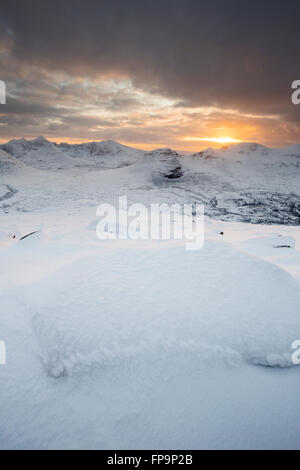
x: 136, y: 345
x: 40, y: 153
x: 244, y: 182
x: 96, y: 341
x: 247, y: 182
x: 7, y: 162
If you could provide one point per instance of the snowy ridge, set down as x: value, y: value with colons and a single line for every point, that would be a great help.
x: 141, y: 344
x: 39, y: 153
x: 246, y: 182
x: 8, y: 162
x: 20, y: 147
x: 106, y: 147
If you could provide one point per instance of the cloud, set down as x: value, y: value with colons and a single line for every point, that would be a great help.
x: 107, y: 59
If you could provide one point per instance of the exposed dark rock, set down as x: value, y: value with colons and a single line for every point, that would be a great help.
x: 28, y: 235
x: 175, y: 174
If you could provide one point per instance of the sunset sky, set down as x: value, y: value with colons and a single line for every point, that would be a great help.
x: 162, y: 73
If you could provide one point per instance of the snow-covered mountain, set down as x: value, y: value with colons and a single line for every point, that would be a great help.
x: 9, y: 166
x: 8, y: 162
x: 106, y: 147
x: 141, y: 343
x: 246, y: 182
x: 107, y: 154
x: 43, y: 154
x: 40, y: 153
x: 163, y: 164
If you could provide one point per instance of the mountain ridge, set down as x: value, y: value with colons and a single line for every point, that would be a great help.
x: 109, y: 144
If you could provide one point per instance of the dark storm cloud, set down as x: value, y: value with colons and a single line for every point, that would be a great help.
x: 235, y: 54
x: 242, y: 53
x: 16, y: 106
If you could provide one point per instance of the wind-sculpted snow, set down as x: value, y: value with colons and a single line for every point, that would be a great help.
x: 148, y: 346
x: 85, y: 317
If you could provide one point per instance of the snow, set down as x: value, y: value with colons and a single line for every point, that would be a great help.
x: 7, y: 162
x: 244, y: 182
x: 142, y: 344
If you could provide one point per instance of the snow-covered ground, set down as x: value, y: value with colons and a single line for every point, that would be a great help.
x: 244, y: 182
x: 142, y: 344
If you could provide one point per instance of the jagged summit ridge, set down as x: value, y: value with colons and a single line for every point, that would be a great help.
x: 247, y: 182
x: 104, y: 147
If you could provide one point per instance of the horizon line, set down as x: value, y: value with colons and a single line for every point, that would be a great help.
x: 150, y: 147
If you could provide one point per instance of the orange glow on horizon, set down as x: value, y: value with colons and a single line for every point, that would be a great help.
x: 184, y: 144
x: 219, y: 140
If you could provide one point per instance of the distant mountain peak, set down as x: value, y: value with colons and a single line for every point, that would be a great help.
x: 110, y: 142
x: 19, y: 147
x: 163, y: 151
x: 206, y: 154
x: 40, y: 140
x: 245, y: 147
x: 98, y: 148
